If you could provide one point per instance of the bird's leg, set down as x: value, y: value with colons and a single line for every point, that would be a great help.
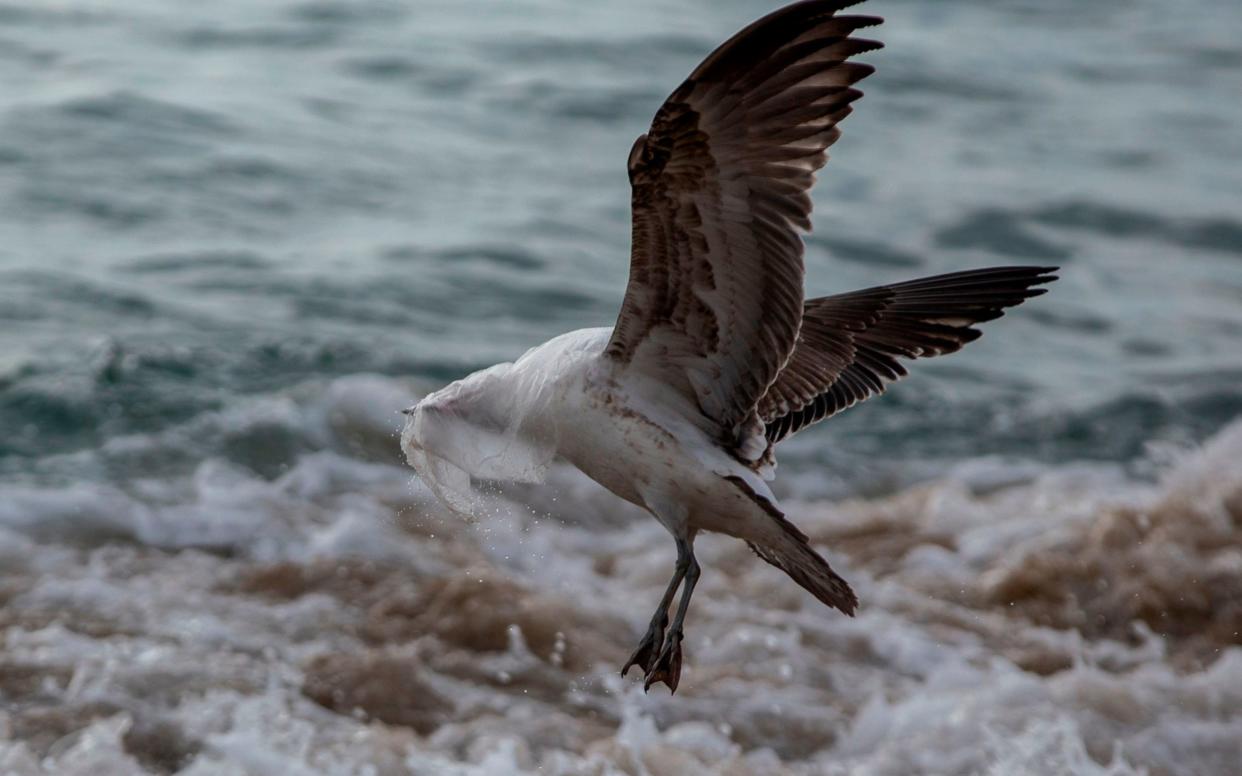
x: 667, y: 667
x: 653, y: 641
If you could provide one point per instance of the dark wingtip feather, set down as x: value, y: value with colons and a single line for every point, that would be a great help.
x: 918, y: 318
x: 868, y: 44
x: 864, y: 21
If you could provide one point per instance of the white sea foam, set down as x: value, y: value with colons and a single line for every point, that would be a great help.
x: 333, y: 620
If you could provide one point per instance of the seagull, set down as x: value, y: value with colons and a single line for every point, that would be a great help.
x: 716, y: 356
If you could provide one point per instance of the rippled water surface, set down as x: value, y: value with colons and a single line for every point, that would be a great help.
x: 236, y: 238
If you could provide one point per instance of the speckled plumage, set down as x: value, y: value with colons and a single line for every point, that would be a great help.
x: 715, y: 356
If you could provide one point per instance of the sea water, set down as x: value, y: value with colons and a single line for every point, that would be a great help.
x: 237, y: 238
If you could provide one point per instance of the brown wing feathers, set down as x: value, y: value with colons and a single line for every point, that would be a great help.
x: 848, y: 348
x: 720, y: 183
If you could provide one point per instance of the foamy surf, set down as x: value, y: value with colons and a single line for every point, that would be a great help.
x: 228, y: 225
x: 1014, y: 620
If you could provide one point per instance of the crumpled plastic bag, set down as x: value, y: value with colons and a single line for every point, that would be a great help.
x: 486, y: 427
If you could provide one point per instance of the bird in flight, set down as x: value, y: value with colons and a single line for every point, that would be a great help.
x: 716, y: 356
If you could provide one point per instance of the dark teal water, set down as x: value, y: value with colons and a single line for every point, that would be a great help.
x: 203, y: 205
x: 237, y: 237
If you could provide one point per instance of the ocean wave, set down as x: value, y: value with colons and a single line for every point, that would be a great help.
x: 1000, y: 233
x: 1064, y: 618
x: 124, y: 409
x: 239, y: 238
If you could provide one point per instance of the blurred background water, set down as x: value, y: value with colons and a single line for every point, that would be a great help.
x: 211, y: 203
x: 236, y: 238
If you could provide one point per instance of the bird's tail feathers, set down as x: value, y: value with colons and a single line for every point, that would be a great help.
x: 787, y: 548
x: 793, y: 555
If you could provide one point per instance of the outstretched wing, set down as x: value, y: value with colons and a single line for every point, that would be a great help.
x: 719, y: 198
x: 849, y: 344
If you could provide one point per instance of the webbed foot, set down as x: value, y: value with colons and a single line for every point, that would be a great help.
x: 667, y: 667
x: 648, y: 649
